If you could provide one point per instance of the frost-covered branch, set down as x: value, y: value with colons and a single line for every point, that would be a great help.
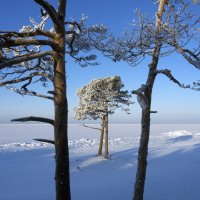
x: 101, y: 97
x: 50, y: 11
x: 194, y: 86
x: 19, y: 80
x: 33, y: 33
x: 22, y: 42
x: 23, y: 58
x: 196, y: 2
x: 191, y: 56
x: 25, y: 91
x: 79, y: 40
x: 178, y: 24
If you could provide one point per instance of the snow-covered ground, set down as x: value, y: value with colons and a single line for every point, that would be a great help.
x: 27, y: 167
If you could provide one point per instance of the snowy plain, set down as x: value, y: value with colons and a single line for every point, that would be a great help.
x: 27, y: 167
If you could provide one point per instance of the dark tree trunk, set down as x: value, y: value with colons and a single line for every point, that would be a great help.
x: 62, y: 172
x: 106, y: 137
x: 145, y: 122
x: 101, y: 136
x: 145, y: 131
x: 142, y: 156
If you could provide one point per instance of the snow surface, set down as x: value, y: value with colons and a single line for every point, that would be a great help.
x: 27, y: 167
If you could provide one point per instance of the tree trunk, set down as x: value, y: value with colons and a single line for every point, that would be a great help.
x: 145, y: 122
x: 101, y: 136
x: 62, y: 172
x: 106, y: 137
x: 142, y: 156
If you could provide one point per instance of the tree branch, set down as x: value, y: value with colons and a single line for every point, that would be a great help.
x: 153, y: 111
x: 21, y: 42
x: 32, y: 93
x: 50, y: 10
x: 167, y: 73
x: 25, y: 78
x: 33, y: 118
x: 91, y: 127
x: 39, y: 95
x: 28, y: 34
x: 193, y: 59
x: 24, y: 58
x: 44, y: 140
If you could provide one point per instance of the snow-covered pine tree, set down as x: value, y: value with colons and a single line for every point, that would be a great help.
x: 100, y: 98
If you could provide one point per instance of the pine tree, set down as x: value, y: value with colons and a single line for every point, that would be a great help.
x: 100, y: 98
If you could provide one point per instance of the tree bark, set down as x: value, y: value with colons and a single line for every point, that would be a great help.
x: 106, y: 137
x: 142, y: 156
x: 145, y: 121
x: 101, y: 136
x: 62, y: 171
x: 145, y: 131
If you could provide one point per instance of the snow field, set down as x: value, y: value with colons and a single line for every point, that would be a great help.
x: 27, y: 167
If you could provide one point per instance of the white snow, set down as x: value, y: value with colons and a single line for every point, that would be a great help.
x: 27, y: 167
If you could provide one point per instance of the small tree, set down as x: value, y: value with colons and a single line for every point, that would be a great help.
x: 100, y: 98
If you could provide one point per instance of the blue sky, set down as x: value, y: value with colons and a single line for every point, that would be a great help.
x: 174, y: 105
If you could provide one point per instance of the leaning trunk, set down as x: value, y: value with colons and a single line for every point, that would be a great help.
x: 101, y: 137
x: 142, y: 156
x: 106, y: 137
x: 145, y: 122
x: 145, y: 131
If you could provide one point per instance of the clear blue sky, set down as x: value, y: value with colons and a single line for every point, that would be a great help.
x: 174, y: 105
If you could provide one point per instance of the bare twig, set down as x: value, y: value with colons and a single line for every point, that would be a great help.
x: 91, y: 127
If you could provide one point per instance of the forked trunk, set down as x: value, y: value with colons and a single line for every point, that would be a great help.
x: 101, y: 136
x: 106, y: 137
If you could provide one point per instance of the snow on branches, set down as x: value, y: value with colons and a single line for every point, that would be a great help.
x: 79, y: 38
x: 178, y: 30
x: 196, y: 1
x: 101, y: 97
x: 29, y: 54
